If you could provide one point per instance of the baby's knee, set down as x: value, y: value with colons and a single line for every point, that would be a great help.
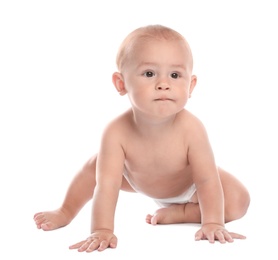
x: 91, y: 163
x: 89, y: 168
x: 238, y: 207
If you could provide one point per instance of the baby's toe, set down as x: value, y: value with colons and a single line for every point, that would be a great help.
x: 149, y: 218
x: 47, y: 226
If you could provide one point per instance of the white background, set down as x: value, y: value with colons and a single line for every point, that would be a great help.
x: 56, y: 96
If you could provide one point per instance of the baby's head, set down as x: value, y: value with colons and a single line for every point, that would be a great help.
x: 144, y: 34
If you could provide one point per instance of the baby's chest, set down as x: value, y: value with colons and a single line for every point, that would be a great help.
x: 163, y: 157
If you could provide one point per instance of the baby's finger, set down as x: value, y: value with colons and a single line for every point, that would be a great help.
x: 93, y: 245
x: 211, y: 237
x: 228, y: 237
x: 236, y: 236
x: 77, y: 245
x: 199, y: 235
x: 103, y: 245
x: 113, y: 242
x: 219, y: 235
x: 86, y: 247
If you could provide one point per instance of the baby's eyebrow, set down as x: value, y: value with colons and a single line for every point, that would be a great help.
x: 146, y: 63
x: 178, y: 66
x: 153, y: 64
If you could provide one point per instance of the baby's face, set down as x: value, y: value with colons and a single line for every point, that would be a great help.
x: 158, y: 77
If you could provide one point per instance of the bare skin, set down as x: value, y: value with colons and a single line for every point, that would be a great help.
x: 184, y: 213
x: 79, y: 193
x: 159, y: 147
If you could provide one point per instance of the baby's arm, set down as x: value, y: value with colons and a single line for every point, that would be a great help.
x: 110, y: 165
x: 209, y: 188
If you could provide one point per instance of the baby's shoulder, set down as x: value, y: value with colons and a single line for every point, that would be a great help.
x: 192, y: 127
x: 118, y: 126
x: 188, y: 120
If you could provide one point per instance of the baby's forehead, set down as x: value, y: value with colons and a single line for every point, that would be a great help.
x: 143, y: 41
x: 152, y: 44
x: 159, y: 52
x: 144, y: 37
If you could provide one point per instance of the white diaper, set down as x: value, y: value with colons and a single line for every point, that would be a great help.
x: 181, y: 199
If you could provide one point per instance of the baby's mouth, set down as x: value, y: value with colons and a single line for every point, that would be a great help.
x: 163, y: 99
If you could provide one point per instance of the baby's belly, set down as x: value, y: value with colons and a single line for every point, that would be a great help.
x: 160, y: 185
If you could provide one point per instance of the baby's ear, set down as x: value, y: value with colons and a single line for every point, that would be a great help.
x: 118, y: 82
x: 192, y: 84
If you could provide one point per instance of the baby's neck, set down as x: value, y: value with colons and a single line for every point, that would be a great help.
x: 152, y: 125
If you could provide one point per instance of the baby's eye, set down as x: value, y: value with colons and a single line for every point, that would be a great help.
x: 174, y: 75
x: 149, y: 74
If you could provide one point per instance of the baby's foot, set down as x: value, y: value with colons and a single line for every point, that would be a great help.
x: 50, y: 220
x: 171, y: 215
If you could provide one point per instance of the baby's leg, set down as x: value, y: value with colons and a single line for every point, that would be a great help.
x: 236, y: 204
x: 176, y: 213
x: 80, y: 191
x: 237, y: 198
x: 78, y: 194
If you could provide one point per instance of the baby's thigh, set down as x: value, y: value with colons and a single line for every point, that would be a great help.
x: 232, y: 187
x: 237, y: 198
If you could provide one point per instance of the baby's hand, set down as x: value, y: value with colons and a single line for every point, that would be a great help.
x: 213, y: 232
x: 99, y: 240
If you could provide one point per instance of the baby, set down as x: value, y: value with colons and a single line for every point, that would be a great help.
x: 157, y: 148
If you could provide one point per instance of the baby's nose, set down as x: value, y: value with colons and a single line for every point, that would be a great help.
x: 162, y: 86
